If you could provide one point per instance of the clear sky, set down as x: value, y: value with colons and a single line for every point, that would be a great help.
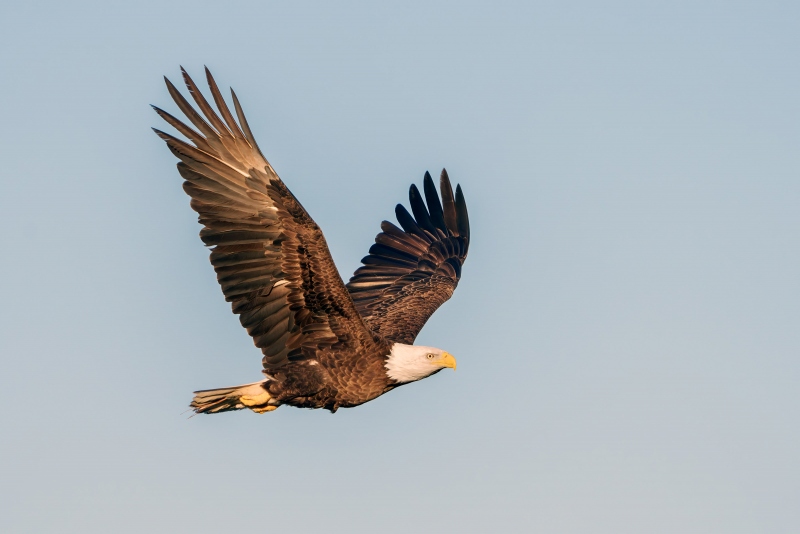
x: 628, y: 322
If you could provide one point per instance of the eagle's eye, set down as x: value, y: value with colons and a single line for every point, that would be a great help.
x: 429, y: 355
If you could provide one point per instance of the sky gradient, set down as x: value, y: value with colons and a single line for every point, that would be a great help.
x: 626, y: 326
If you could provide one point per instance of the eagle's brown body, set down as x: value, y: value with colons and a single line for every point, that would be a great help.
x: 352, y: 382
x: 325, y: 344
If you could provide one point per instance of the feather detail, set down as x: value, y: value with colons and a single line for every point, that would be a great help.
x: 411, y: 270
x: 271, y: 259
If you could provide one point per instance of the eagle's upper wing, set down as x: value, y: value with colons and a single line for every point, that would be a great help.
x: 270, y: 257
x: 409, y: 273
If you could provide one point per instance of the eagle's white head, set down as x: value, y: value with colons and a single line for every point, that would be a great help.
x: 407, y: 363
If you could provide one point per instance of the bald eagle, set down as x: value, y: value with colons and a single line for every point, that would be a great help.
x: 325, y: 344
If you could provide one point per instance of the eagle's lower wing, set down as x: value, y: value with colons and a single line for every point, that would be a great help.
x: 412, y: 271
x: 270, y: 257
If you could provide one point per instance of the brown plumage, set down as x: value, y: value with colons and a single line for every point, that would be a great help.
x: 325, y: 344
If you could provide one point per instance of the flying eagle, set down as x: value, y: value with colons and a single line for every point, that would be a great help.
x: 325, y: 344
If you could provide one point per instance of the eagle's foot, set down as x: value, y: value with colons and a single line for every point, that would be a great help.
x: 264, y: 409
x: 255, y: 400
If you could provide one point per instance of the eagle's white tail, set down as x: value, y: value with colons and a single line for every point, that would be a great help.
x: 253, y: 396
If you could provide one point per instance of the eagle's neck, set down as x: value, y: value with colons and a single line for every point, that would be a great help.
x: 406, y: 363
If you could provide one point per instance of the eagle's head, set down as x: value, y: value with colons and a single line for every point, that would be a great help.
x: 407, y: 363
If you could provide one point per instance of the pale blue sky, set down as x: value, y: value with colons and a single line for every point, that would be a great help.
x: 627, y: 322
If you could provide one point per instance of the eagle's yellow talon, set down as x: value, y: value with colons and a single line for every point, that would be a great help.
x: 255, y: 400
x: 264, y: 409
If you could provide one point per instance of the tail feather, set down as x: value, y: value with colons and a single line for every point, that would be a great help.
x: 253, y: 396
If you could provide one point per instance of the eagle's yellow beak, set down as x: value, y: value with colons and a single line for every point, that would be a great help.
x: 448, y: 361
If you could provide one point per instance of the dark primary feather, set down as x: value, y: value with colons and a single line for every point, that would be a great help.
x: 410, y: 272
x: 270, y: 257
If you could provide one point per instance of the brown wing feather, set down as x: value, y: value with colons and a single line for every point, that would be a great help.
x: 270, y: 257
x: 412, y: 271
